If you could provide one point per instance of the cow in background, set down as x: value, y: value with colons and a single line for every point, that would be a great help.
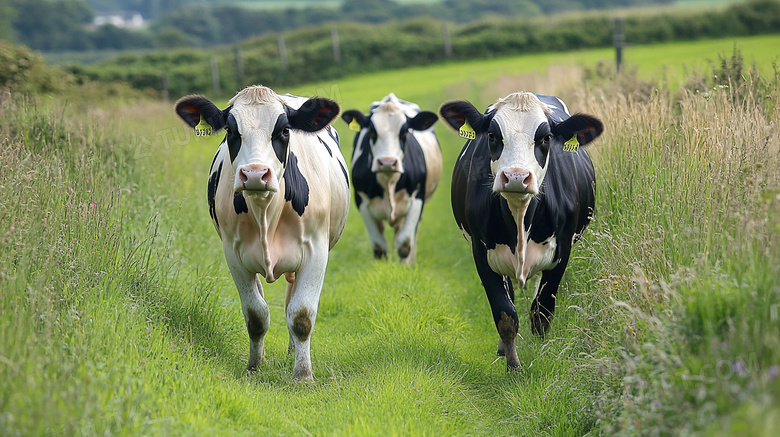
x: 278, y: 194
x: 396, y: 166
x: 523, y: 191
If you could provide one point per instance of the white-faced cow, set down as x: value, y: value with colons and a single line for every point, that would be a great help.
x: 396, y: 166
x: 522, y: 194
x: 278, y: 195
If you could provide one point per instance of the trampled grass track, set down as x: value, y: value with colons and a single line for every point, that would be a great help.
x: 131, y: 325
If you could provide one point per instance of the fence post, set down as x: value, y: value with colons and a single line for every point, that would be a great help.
x: 334, y: 40
x: 447, y: 42
x: 618, y: 41
x: 215, y: 75
x: 239, y: 67
x: 282, y: 52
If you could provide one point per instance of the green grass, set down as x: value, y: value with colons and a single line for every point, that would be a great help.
x: 118, y: 314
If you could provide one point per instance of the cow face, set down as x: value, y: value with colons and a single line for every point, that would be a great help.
x: 519, y: 135
x: 387, y: 128
x: 258, y: 129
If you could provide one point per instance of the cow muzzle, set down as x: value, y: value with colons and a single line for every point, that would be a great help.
x: 517, y: 181
x: 386, y: 165
x: 255, y: 178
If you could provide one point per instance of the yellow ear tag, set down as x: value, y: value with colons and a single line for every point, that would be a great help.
x: 353, y: 125
x: 572, y: 145
x: 203, y: 129
x: 466, y: 131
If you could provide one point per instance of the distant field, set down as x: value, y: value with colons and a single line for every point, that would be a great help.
x: 662, y: 63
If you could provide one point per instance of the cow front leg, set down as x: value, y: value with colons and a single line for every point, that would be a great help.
x: 375, y: 232
x: 303, y: 300
x: 253, y: 306
x: 406, y: 235
x: 500, y: 295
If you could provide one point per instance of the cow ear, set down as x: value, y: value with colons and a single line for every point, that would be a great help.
x: 192, y: 109
x: 355, y: 119
x: 585, y: 128
x: 314, y: 114
x: 423, y: 120
x: 458, y: 112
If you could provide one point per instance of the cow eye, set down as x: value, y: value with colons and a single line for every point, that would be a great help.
x: 548, y: 138
x: 286, y: 131
x: 491, y: 137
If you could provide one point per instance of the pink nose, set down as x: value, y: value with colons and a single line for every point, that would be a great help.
x: 519, y: 181
x: 387, y: 164
x: 255, y: 178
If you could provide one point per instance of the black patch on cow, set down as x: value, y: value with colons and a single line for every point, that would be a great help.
x: 495, y: 140
x: 333, y: 133
x: 326, y: 145
x: 280, y: 137
x: 362, y: 177
x: 344, y: 171
x: 232, y: 137
x: 296, y: 189
x: 212, y: 192
x: 415, y: 173
x: 239, y: 203
x: 542, y: 139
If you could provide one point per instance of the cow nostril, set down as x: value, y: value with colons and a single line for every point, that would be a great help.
x: 528, y: 179
x: 266, y: 177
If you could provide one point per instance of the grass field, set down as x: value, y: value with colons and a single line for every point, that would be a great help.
x: 118, y: 315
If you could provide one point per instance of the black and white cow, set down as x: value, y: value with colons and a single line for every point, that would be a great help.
x: 396, y: 166
x: 523, y: 191
x: 278, y: 195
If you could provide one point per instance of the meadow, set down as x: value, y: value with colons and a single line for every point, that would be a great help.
x: 118, y: 315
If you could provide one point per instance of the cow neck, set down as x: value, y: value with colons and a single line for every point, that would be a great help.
x: 267, y: 212
x: 389, y: 184
x: 518, y: 209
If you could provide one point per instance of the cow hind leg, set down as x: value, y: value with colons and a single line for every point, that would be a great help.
x: 543, y: 305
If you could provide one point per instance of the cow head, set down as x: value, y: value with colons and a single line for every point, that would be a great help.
x: 519, y: 135
x: 258, y: 129
x: 387, y: 127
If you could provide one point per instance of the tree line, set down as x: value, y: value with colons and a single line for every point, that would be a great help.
x: 62, y: 25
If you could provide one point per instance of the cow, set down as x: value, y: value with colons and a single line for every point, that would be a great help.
x: 396, y: 166
x: 523, y: 191
x: 278, y: 196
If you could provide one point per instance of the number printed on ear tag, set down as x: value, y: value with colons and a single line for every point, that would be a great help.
x: 466, y: 131
x: 203, y: 129
x: 572, y: 145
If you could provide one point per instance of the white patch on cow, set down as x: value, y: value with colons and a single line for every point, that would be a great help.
x: 519, y: 115
x: 539, y: 256
x: 502, y: 261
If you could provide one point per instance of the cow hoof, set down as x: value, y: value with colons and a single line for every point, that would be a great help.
x: 513, y: 368
x: 539, y: 324
x: 380, y: 254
